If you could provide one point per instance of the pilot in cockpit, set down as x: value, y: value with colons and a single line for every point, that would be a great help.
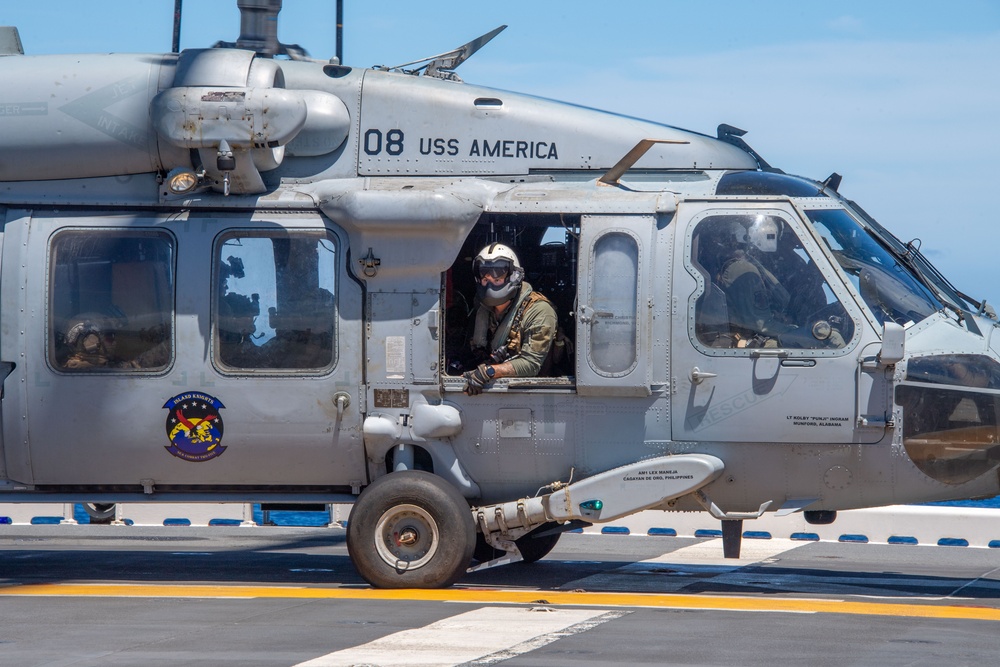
x: 754, y: 296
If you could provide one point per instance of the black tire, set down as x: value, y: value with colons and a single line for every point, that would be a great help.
x: 532, y: 547
x: 100, y: 512
x: 435, y: 519
x: 484, y: 551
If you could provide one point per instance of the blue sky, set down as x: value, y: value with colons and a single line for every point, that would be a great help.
x: 901, y: 98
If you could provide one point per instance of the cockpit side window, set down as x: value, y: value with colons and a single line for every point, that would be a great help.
x: 275, y: 301
x: 761, y: 287
x: 111, y: 301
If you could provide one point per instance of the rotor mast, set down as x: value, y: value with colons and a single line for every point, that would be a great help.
x: 259, y: 26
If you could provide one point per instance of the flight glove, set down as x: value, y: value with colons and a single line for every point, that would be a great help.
x: 476, y: 379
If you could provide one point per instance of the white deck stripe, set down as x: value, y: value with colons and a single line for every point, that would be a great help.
x: 476, y: 635
x: 710, y: 553
x: 705, y: 557
x: 544, y: 640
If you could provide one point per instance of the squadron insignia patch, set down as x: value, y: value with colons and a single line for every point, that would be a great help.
x: 194, y: 426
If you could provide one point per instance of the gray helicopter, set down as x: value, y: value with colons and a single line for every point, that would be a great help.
x: 241, y: 274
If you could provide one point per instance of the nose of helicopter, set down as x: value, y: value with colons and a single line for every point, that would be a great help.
x: 951, y: 414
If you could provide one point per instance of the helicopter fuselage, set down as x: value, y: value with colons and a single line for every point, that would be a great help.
x: 228, y: 277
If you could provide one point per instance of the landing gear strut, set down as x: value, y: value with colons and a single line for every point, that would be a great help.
x: 533, y: 547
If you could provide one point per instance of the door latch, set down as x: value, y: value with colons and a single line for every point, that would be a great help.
x: 697, y: 376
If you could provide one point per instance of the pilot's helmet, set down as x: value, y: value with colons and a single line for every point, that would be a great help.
x: 497, y: 266
x: 764, y: 233
x: 91, y: 334
x: 725, y: 234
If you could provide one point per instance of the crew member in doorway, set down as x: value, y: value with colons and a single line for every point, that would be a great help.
x: 514, y: 326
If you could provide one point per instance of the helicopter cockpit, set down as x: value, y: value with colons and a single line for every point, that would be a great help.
x: 946, y: 384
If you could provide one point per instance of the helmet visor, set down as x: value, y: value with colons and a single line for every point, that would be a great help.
x: 496, y: 270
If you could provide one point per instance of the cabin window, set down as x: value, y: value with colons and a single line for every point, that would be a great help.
x: 111, y: 300
x: 761, y: 288
x: 614, y: 297
x: 275, y: 306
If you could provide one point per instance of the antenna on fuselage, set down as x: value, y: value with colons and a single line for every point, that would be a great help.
x: 442, y: 66
x: 734, y: 136
x: 340, y: 32
x: 176, y: 44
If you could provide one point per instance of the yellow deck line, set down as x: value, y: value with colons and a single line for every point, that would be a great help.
x: 652, y: 600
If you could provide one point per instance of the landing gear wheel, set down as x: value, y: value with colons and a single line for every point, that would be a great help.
x: 100, y: 512
x: 410, y: 529
x: 484, y: 551
x: 532, y: 547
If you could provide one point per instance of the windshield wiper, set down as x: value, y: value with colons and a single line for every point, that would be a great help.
x: 909, y: 257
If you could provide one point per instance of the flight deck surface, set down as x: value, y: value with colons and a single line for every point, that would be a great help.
x: 109, y: 595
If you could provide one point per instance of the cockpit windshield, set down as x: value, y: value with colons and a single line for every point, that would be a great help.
x: 889, y: 287
x: 943, y: 289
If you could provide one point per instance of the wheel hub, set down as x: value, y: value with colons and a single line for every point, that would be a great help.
x: 406, y: 537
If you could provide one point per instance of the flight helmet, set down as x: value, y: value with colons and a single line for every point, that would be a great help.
x: 764, y: 233
x: 500, y: 264
x: 91, y: 334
